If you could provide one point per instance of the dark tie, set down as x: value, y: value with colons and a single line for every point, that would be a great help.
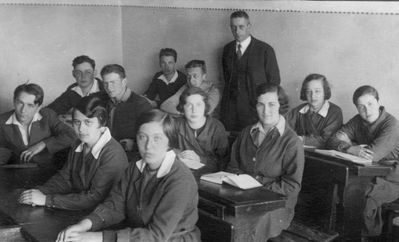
x: 239, y: 53
x: 258, y: 137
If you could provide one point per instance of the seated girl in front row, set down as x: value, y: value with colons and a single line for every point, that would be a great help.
x: 202, y: 138
x: 93, y: 165
x: 271, y: 152
x: 157, y: 197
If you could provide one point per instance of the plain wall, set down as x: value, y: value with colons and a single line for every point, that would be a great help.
x: 39, y: 42
x: 350, y: 49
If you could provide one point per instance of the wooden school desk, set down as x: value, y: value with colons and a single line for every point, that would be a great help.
x: 230, y: 214
x: 350, y: 193
x: 238, y: 210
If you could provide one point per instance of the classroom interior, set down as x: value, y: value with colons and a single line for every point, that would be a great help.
x: 352, y: 43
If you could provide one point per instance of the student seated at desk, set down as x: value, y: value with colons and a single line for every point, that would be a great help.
x: 29, y: 133
x: 166, y: 82
x: 271, y: 152
x: 372, y: 134
x: 93, y: 165
x: 317, y: 119
x: 202, y: 139
x: 196, y: 77
x: 157, y: 197
x: 86, y: 84
x: 124, y: 107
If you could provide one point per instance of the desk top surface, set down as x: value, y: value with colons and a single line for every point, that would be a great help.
x: 374, y: 169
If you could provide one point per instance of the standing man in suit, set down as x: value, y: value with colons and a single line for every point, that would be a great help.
x: 247, y: 62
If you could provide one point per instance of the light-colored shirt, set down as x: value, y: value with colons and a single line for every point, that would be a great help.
x: 323, y: 110
x: 164, y: 79
x: 25, y: 133
x: 94, y: 88
x: 244, y: 44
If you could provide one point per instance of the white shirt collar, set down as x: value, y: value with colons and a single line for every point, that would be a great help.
x: 280, y: 126
x: 163, y: 78
x: 95, y: 88
x: 165, y: 167
x: 101, y: 142
x: 13, y: 119
x: 323, y: 110
x: 244, y: 44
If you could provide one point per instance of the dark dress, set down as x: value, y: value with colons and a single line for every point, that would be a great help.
x: 316, y: 128
x: 211, y: 143
x: 155, y: 207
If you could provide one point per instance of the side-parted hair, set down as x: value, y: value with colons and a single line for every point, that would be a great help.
x: 312, y: 77
x: 167, y: 122
x: 83, y: 58
x: 192, y: 91
x: 282, y: 96
x: 168, y: 52
x: 196, y: 63
x: 113, y: 68
x: 239, y: 14
x: 32, y: 89
x: 363, y: 90
x: 92, y: 106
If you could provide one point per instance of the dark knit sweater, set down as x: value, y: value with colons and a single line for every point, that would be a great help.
x: 69, y: 99
x: 163, y: 90
x: 381, y: 137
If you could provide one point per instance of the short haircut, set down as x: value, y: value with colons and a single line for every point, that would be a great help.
x: 196, y: 63
x: 363, y: 90
x: 192, y: 91
x: 312, y: 77
x: 167, y: 123
x: 32, y: 89
x: 282, y: 96
x: 92, y: 106
x: 239, y: 14
x: 168, y: 52
x: 113, y: 68
x: 83, y: 58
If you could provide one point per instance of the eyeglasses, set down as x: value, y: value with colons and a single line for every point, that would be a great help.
x: 77, y: 73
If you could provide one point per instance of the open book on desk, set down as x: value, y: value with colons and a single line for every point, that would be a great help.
x: 345, y: 156
x: 242, y: 181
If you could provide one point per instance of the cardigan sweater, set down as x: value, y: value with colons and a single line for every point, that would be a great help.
x: 315, y: 128
x: 85, y: 181
x: 49, y: 129
x: 166, y: 211
x: 125, y: 115
x: 211, y: 144
x: 163, y: 90
x: 278, y: 164
x: 69, y: 99
x: 381, y: 137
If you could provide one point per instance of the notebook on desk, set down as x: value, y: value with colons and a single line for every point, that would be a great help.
x: 345, y: 156
x: 242, y: 181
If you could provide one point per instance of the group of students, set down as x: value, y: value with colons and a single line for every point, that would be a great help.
x: 128, y: 160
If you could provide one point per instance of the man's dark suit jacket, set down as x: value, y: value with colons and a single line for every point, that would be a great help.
x: 261, y: 67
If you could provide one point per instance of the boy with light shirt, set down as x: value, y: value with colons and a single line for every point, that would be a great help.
x: 31, y: 134
x: 166, y: 82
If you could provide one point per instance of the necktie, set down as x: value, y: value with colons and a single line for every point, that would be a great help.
x: 258, y: 137
x: 239, y: 53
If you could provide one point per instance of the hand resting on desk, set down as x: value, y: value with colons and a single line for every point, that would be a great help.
x: 32, y: 197
x: 78, y: 232
x: 361, y: 151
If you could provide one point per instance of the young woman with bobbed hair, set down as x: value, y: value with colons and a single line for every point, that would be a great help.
x: 94, y: 164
